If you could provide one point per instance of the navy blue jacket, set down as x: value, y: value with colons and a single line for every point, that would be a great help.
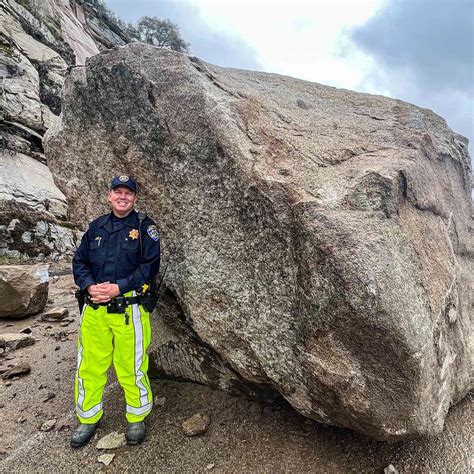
x: 113, y: 255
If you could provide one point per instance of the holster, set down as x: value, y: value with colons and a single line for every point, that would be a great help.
x: 79, y: 294
x: 149, y: 301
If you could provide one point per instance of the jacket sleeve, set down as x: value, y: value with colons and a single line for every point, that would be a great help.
x: 81, y: 264
x: 149, y: 266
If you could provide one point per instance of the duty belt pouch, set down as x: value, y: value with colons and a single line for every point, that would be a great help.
x: 117, y: 305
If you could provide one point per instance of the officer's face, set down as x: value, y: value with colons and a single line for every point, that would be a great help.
x: 122, y: 200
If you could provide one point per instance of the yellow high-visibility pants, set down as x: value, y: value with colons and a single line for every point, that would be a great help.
x: 103, y: 338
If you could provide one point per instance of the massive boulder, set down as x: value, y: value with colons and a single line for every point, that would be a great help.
x: 318, y: 241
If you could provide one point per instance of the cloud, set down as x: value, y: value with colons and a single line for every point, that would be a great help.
x: 422, y: 52
x: 210, y: 44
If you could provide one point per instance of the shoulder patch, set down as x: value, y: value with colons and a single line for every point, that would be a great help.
x: 153, y: 232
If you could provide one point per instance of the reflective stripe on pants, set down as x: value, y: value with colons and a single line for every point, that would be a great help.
x: 105, y: 338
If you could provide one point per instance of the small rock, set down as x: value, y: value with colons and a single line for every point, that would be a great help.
x: 57, y: 348
x: 23, y: 368
x: 196, y: 425
x: 3, y: 451
x: 111, y: 441
x: 55, y: 314
x: 159, y: 401
x: 57, y: 378
x: 7, y: 384
x: 62, y: 335
x: 2, y: 405
x: 26, y: 330
x: 106, y: 458
x: 48, y: 425
x: 50, y: 396
x: 22, y: 419
x: 209, y: 467
x: 390, y: 469
x: 16, y: 340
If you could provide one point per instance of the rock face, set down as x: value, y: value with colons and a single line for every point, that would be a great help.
x: 23, y: 290
x: 33, y: 210
x: 319, y: 241
x: 38, y: 41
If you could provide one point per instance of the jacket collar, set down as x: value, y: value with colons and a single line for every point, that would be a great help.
x: 131, y: 221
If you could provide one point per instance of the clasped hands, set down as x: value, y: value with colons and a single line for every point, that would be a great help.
x: 103, y: 292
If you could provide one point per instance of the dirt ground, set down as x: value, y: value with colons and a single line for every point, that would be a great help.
x: 244, y: 436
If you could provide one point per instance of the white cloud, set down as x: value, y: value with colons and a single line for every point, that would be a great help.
x: 297, y: 39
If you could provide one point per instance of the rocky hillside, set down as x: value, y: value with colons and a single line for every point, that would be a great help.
x: 39, y: 40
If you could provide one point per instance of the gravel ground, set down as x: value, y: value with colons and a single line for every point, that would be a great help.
x: 244, y: 435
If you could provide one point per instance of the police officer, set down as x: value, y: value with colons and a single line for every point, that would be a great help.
x: 115, y: 265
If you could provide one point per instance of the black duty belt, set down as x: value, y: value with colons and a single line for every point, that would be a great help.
x: 116, y: 305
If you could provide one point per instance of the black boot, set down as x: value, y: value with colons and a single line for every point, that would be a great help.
x: 83, y: 434
x: 135, y: 432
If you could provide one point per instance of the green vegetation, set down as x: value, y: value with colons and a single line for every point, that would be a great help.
x: 153, y: 30
x: 7, y: 50
x: 4, y: 260
x: 54, y: 26
x: 68, y: 225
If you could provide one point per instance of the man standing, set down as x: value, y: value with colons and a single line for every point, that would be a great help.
x: 115, y: 266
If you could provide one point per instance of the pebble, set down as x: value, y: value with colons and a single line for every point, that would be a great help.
x: 106, y: 458
x: 209, y: 467
x: 196, y: 425
x: 50, y: 396
x: 48, y: 425
x: 111, y: 441
x: 159, y: 401
x: 26, y: 330
x: 390, y: 469
x: 22, y: 419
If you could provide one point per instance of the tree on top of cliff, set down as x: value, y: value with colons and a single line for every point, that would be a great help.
x: 163, y: 33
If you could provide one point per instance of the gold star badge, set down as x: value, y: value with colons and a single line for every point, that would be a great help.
x: 133, y: 234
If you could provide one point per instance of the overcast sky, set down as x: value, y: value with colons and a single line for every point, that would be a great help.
x: 420, y: 51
